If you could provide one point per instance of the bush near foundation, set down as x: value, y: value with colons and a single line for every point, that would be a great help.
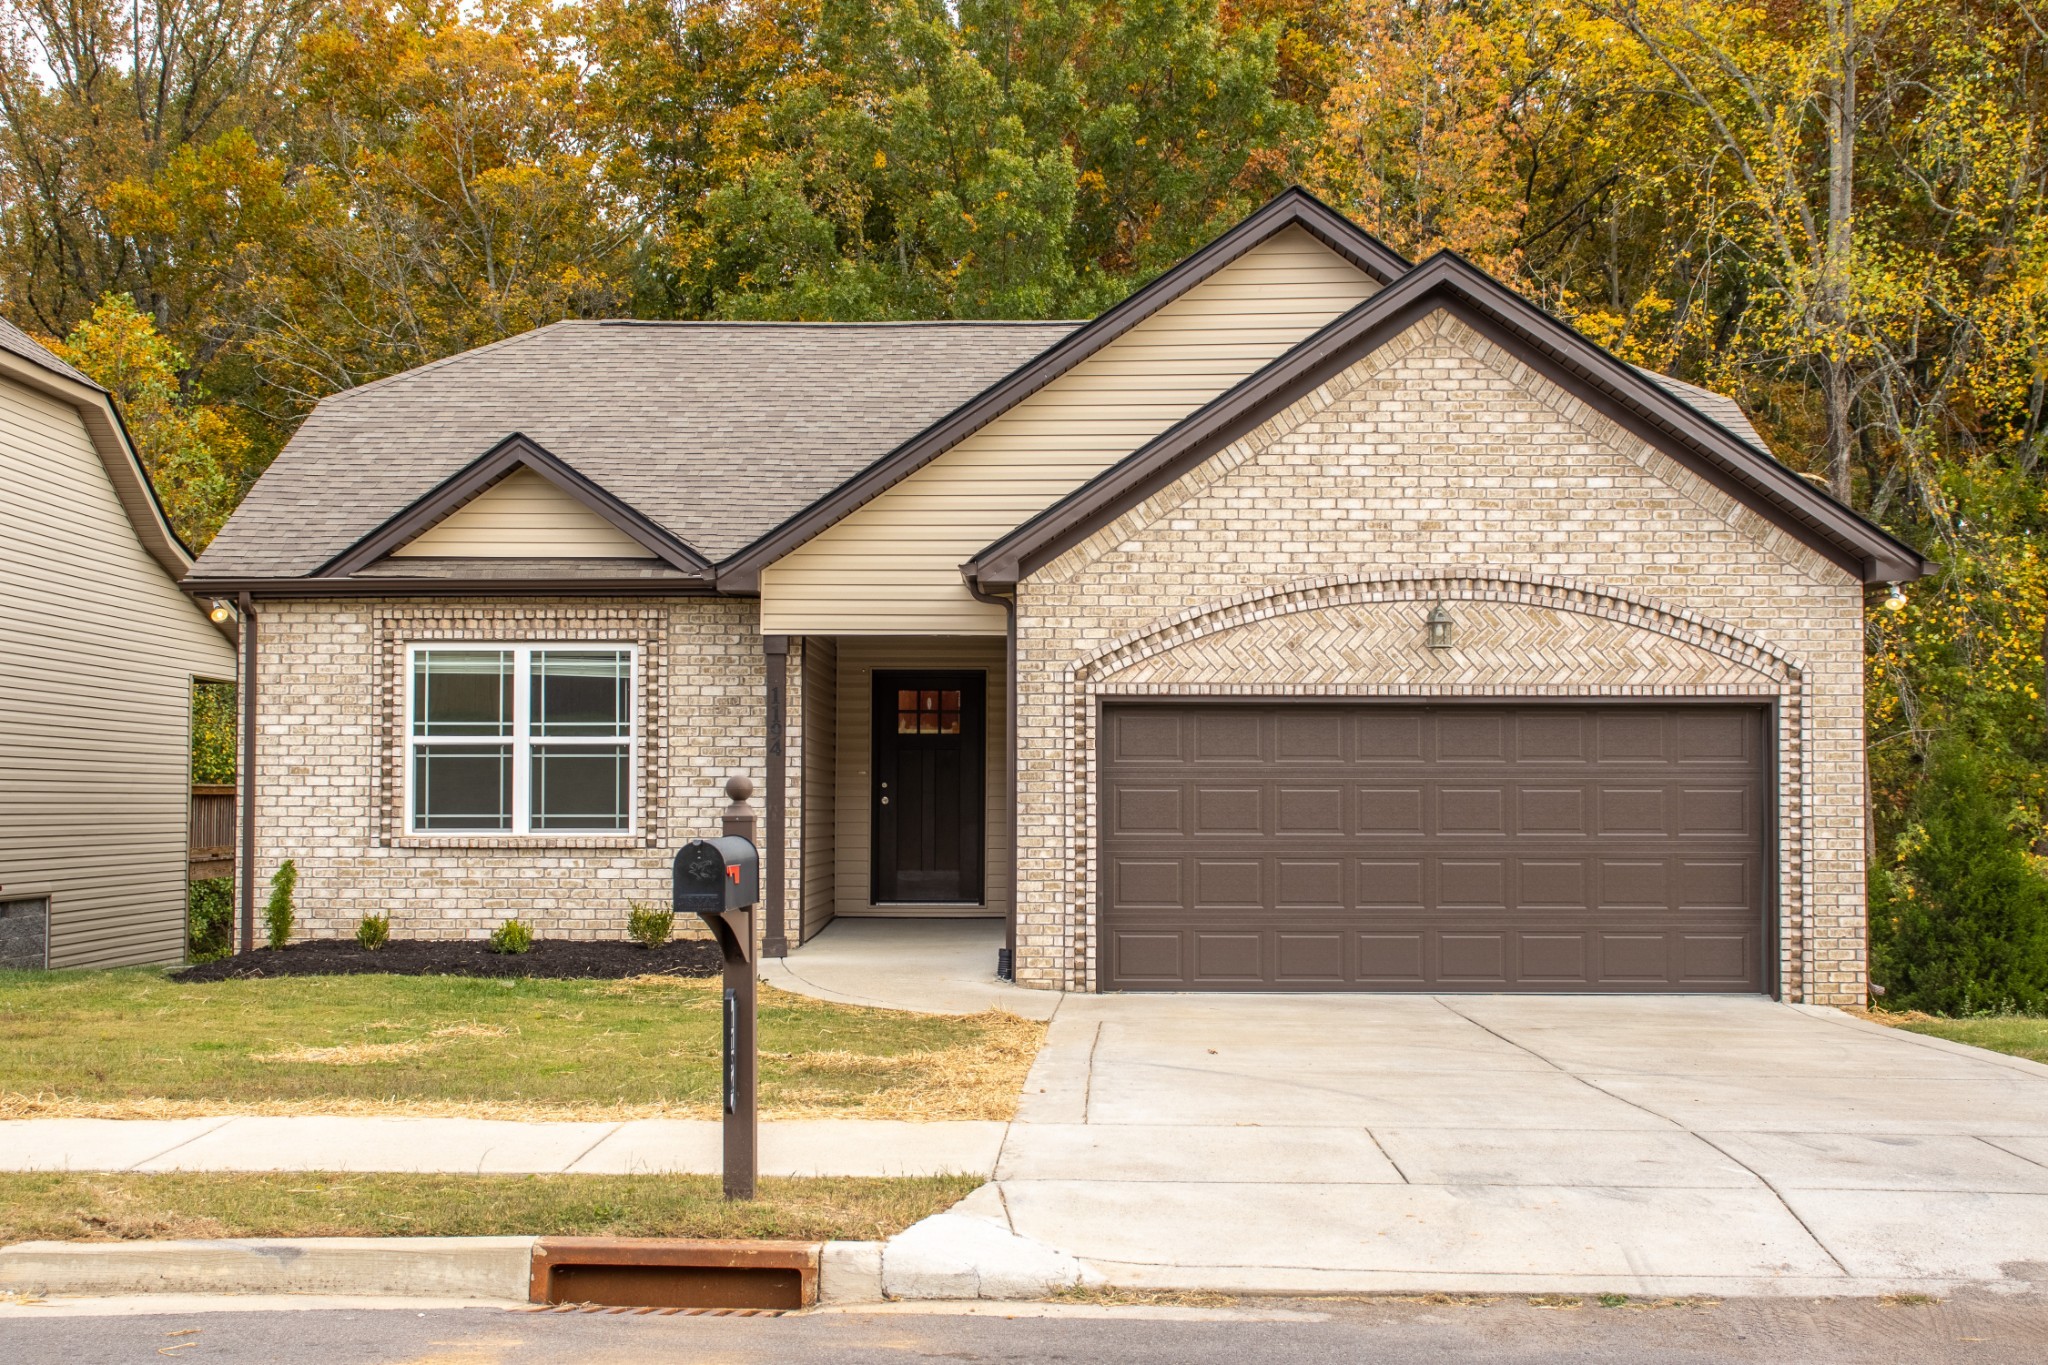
x: 279, y: 915
x: 1959, y: 923
x: 648, y: 927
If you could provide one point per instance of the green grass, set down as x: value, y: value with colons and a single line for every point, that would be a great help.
x: 71, y: 1207
x: 2017, y: 1035
x: 131, y: 1043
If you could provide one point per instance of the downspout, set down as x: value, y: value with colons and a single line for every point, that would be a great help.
x: 248, y: 868
x: 1006, y: 969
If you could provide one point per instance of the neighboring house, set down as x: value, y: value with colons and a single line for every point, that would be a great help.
x: 101, y: 651
x: 1359, y: 626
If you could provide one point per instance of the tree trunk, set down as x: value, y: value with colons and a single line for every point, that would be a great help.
x: 1832, y: 295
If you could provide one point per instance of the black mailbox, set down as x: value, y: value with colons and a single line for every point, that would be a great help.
x: 713, y: 876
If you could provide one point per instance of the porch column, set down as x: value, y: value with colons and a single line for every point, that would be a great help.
x: 775, y: 935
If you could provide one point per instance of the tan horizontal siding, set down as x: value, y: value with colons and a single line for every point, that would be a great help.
x: 858, y: 658
x: 523, y: 516
x: 100, y: 652
x: 894, y: 565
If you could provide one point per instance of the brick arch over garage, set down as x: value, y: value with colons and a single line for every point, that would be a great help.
x: 1361, y: 637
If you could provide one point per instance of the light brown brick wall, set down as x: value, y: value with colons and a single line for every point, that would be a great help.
x: 330, y: 762
x: 1577, y: 560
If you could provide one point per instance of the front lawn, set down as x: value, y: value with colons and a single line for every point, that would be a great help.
x: 132, y: 1044
x: 2018, y: 1035
x: 97, y: 1208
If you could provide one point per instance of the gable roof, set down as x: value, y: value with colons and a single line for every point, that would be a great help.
x: 1295, y: 207
x: 1648, y: 405
x: 712, y: 432
x: 514, y: 453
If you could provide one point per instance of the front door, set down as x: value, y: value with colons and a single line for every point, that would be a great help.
x: 928, y: 729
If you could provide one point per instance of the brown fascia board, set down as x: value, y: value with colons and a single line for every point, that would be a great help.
x: 516, y: 451
x: 1449, y: 282
x: 1294, y: 207
x: 117, y: 456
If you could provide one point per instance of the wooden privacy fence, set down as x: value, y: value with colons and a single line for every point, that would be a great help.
x: 210, y: 841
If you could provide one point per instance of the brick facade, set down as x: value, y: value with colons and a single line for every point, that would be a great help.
x: 1578, y: 560
x: 330, y: 768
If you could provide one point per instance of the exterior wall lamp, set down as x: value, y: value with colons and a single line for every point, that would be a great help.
x: 1441, y: 627
x: 1896, y: 601
x: 218, y: 612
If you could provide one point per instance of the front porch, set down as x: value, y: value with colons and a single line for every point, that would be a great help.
x: 896, y: 774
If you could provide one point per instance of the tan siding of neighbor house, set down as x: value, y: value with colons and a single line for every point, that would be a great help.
x: 523, y: 516
x: 894, y: 565
x: 858, y: 660
x: 101, y: 650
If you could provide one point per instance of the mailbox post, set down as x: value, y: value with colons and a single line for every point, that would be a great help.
x: 719, y: 880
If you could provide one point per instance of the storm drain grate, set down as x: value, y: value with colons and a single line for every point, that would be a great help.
x: 627, y: 1274
x: 617, y: 1309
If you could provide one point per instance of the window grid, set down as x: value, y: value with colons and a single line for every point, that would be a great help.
x: 522, y: 741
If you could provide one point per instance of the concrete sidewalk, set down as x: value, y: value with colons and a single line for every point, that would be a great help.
x: 848, y: 1147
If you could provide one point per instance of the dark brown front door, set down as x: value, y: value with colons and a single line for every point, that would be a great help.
x: 1441, y: 848
x: 928, y: 788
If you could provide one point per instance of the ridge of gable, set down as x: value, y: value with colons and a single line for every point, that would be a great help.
x: 504, y: 462
x: 1448, y: 281
x: 1293, y: 208
x: 523, y: 516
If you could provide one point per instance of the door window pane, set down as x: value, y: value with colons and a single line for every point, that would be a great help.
x: 580, y: 786
x: 467, y: 786
x: 582, y: 693
x: 462, y: 692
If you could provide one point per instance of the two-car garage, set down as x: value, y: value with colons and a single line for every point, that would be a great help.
x: 1568, y: 847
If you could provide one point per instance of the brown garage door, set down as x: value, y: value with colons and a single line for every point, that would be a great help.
x: 1386, y: 847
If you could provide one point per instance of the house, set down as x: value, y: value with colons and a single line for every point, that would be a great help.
x: 1311, y: 620
x: 102, y: 651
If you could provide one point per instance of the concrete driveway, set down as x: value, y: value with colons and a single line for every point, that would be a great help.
x: 1688, y: 1145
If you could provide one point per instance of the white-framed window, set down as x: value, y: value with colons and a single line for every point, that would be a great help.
x: 520, y: 739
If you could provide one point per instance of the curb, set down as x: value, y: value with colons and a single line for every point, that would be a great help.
x: 500, y: 1268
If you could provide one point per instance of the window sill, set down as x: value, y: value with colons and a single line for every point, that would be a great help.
x: 536, y: 843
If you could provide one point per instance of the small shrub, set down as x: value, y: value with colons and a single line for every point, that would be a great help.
x: 278, y: 915
x: 374, y: 932
x: 210, y: 919
x: 649, y: 927
x: 511, y: 937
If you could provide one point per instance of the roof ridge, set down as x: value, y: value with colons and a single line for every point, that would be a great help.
x: 809, y: 326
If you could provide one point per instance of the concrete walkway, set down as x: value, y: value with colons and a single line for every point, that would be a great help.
x: 492, y: 1146
x: 931, y: 966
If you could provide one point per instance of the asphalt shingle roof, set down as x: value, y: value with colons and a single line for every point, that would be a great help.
x: 716, y: 431
x: 13, y: 339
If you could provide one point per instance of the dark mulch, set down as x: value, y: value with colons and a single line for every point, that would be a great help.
x: 559, y: 959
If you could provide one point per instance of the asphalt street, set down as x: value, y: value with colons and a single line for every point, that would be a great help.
x: 1988, y: 1330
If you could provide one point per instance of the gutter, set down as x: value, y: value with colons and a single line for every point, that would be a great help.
x: 1006, y: 969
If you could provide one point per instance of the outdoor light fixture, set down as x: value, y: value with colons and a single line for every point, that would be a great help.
x: 1439, y: 627
x: 1897, y: 600
x: 218, y: 612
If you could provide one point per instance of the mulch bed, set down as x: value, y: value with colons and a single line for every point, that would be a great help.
x: 555, y: 959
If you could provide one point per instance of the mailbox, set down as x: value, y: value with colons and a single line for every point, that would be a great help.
x: 713, y: 876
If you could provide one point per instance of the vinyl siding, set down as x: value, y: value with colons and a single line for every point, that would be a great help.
x: 523, y: 516
x: 895, y: 563
x: 859, y: 657
x: 101, y: 651
x: 820, y: 781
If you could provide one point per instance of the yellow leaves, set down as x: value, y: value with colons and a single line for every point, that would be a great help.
x: 881, y: 160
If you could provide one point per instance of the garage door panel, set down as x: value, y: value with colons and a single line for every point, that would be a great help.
x: 1370, y: 846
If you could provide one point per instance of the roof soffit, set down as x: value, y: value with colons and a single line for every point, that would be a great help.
x: 1447, y: 281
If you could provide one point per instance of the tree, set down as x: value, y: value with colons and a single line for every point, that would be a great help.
x: 196, y: 457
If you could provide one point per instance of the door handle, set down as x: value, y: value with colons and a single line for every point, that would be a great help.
x: 885, y: 800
